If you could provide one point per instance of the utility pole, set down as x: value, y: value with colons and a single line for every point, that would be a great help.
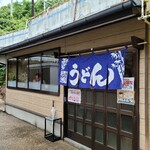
x: 32, y: 8
x: 11, y: 8
x: 44, y: 5
x: 47, y: 2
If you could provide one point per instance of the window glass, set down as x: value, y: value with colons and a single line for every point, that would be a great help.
x: 88, y: 130
x: 71, y: 109
x: 99, y: 116
x: 126, y: 123
x: 99, y: 135
x: 79, y: 127
x: 12, y: 63
x: 112, y: 100
x: 88, y: 114
x: 79, y: 111
x: 127, y: 107
x: 126, y: 141
x: 88, y: 97
x: 71, y: 124
x: 99, y: 98
x: 22, y: 72
x: 112, y: 140
x: 112, y: 119
x: 35, y: 72
x: 49, y: 71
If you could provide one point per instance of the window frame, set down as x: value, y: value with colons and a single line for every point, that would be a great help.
x: 29, y: 68
x: 8, y: 68
x: 28, y: 56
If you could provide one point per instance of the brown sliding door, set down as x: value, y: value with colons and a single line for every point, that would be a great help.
x: 99, y: 122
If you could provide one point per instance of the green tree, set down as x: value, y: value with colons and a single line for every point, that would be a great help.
x: 2, y: 73
x: 22, y: 11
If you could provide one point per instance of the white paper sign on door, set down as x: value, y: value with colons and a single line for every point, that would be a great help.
x: 74, y: 95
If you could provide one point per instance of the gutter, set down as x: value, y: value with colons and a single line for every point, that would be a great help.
x: 113, y: 14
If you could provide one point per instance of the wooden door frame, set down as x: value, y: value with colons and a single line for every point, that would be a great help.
x: 136, y: 116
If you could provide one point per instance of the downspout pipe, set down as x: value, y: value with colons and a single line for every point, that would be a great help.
x: 142, y: 8
x: 147, y: 88
x: 143, y: 15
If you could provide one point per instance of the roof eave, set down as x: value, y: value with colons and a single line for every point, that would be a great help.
x: 116, y: 13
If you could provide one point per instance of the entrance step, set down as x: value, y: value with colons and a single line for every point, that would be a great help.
x: 76, y: 144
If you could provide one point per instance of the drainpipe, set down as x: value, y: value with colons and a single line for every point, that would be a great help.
x: 75, y: 10
x: 144, y: 16
x: 142, y: 8
x: 146, y: 88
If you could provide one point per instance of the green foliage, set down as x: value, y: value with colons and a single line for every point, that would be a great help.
x: 2, y: 73
x: 38, y: 6
x: 22, y: 11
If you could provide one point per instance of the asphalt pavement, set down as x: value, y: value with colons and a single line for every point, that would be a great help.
x: 16, y: 134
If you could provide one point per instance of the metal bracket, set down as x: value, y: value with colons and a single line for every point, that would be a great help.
x: 136, y: 42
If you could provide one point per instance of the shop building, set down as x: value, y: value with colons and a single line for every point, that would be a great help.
x: 98, y: 122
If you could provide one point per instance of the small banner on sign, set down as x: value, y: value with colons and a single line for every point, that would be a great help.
x: 128, y: 84
x: 74, y: 95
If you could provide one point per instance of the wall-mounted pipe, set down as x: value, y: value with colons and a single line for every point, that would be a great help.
x: 143, y: 15
x: 142, y: 8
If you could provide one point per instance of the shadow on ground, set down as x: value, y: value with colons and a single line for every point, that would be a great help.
x: 16, y: 134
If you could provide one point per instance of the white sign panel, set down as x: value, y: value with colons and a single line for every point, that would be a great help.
x: 74, y: 95
x: 126, y: 94
x: 125, y: 97
x: 128, y: 84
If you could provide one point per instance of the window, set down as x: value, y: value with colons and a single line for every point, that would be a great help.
x: 49, y: 72
x: 22, y: 72
x: 36, y: 72
x: 11, y: 78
